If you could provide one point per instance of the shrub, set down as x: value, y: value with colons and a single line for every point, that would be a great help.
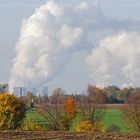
x: 114, y: 128
x: 12, y: 112
x: 58, y: 117
x: 30, y: 124
x: 85, y: 126
x: 52, y: 116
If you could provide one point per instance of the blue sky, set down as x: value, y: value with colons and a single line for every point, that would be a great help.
x: 13, y: 11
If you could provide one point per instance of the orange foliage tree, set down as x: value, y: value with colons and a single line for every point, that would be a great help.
x: 70, y: 107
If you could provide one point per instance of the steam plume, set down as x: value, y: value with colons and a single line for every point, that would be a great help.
x: 116, y: 60
x: 49, y: 37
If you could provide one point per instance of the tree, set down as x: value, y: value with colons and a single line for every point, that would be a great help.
x: 123, y: 95
x: 70, y: 107
x: 131, y: 111
x: 112, y: 93
x: 12, y: 112
x: 30, y: 99
x: 3, y: 88
x: 93, y: 108
x: 96, y: 95
x: 57, y: 97
x: 68, y: 113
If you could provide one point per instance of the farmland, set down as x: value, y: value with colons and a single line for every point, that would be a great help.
x: 46, y: 135
x: 112, y: 116
x: 53, y: 121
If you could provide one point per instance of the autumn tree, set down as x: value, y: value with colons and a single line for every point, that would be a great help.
x: 30, y: 99
x: 69, y: 113
x: 131, y: 111
x: 70, y: 107
x: 58, y: 96
x: 12, y: 112
x: 93, y: 108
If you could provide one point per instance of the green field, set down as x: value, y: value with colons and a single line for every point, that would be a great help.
x: 114, y: 117
x: 111, y: 117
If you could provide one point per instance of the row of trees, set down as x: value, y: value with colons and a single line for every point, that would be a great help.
x: 110, y: 94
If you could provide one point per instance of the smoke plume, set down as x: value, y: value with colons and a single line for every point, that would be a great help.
x: 116, y: 60
x: 49, y: 37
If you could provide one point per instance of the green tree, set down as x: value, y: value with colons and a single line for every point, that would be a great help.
x: 3, y: 88
x: 112, y: 93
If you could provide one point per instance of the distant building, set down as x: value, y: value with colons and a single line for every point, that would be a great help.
x: 20, y: 91
x: 34, y: 91
x: 43, y: 91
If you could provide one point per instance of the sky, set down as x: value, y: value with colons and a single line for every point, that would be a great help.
x: 74, y: 76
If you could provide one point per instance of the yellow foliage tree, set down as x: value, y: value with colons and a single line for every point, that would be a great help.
x: 12, y: 112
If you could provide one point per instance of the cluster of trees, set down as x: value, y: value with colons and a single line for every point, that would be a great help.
x: 110, y: 95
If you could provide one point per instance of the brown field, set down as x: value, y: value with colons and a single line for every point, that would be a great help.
x: 108, y: 106
x: 44, y: 135
x: 114, y: 106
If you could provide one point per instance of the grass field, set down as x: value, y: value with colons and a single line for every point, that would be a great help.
x: 112, y: 116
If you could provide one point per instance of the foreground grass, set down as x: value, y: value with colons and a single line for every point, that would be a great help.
x: 111, y: 117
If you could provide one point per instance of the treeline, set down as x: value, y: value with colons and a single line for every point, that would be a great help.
x: 107, y: 95
x: 110, y: 95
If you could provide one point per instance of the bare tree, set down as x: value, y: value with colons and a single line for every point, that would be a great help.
x: 131, y: 111
x: 57, y: 96
x: 92, y: 106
